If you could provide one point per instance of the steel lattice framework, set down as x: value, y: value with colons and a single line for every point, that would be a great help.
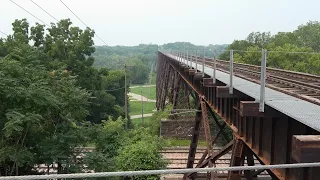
x: 270, y: 136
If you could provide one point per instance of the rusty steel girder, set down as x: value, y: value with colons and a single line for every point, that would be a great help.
x: 268, y: 136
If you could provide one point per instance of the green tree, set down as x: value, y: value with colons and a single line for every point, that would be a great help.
x: 141, y: 153
x: 21, y: 31
x: 48, y: 90
x: 309, y: 35
x: 38, y: 108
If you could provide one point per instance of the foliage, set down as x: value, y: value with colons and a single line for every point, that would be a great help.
x: 136, y: 156
x: 48, y: 91
x: 139, y: 60
x: 54, y: 102
x: 108, y: 137
x: 183, y: 46
x: 281, y: 47
x: 39, y: 110
x: 154, y: 124
x: 142, y: 59
x: 138, y: 121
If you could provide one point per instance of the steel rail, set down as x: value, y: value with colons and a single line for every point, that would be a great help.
x: 285, y: 75
x: 294, y: 82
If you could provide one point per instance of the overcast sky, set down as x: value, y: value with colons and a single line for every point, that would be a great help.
x: 202, y: 22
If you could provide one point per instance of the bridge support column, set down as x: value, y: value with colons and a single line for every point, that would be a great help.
x: 305, y: 149
x: 237, y: 159
x: 194, y: 140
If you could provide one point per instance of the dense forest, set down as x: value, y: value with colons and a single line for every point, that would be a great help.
x: 54, y: 102
x: 142, y: 59
x: 210, y: 50
x: 298, y: 50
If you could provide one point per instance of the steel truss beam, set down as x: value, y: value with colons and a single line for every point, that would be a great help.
x: 268, y: 136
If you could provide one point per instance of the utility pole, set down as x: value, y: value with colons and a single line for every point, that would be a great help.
x: 142, y: 120
x: 125, y: 95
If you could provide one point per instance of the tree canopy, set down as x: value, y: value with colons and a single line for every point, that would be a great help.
x: 282, y: 47
x: 53, y: 101
x: 138, y: 59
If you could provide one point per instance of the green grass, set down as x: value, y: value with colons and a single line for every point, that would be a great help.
x: 182, y: 142
x: 135, y: 107
x: 138, y: 121
x: 153, y: 78
x: 149, y: 92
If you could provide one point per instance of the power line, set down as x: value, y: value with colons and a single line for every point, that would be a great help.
x: 28, y: 12
x: 4, y: 33
x: 82, y: 21
x: 44, y: 10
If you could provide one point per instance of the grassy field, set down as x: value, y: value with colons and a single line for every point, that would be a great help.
x: 153, y: 78
x: 181, y: 142
x: 135, y: 107
x: 149, y: 92
x: 138, y: 121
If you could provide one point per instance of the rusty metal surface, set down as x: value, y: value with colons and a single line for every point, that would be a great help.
x: 305, y: 148
x: 298, y: 109
x: 302, y: 85
x: 269, y: 138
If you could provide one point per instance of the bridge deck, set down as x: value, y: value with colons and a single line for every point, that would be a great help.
x: 300, y: 110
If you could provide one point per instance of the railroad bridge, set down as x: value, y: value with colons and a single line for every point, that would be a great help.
x: 274, y: 114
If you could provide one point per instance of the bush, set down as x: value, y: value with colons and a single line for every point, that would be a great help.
x: 141, y: 155
x: 154, y: 123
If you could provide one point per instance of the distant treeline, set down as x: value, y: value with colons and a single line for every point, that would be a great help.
x: 306, y: 40
x: 210, y: 50
x: 142, y: 58
x: 139, y: 60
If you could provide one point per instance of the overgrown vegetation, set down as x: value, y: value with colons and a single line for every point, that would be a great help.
x: 54, y: 102
x: 211, y: 49
x: 140, y: 60
x: 281, y: 47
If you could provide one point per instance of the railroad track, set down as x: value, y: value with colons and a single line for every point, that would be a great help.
x: 178, y: 157
x: 301, y: 85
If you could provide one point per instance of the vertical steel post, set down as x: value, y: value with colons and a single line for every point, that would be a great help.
x: 187, y: 58
x: 191, y: 59
x: 177, y: 55
x: 184, y: 53
x: 182, y: 56
x: 214, y: 69
x: 231, y: 72
x: 196, y: 60
x: 204, y: 53
x: 263, y: 80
